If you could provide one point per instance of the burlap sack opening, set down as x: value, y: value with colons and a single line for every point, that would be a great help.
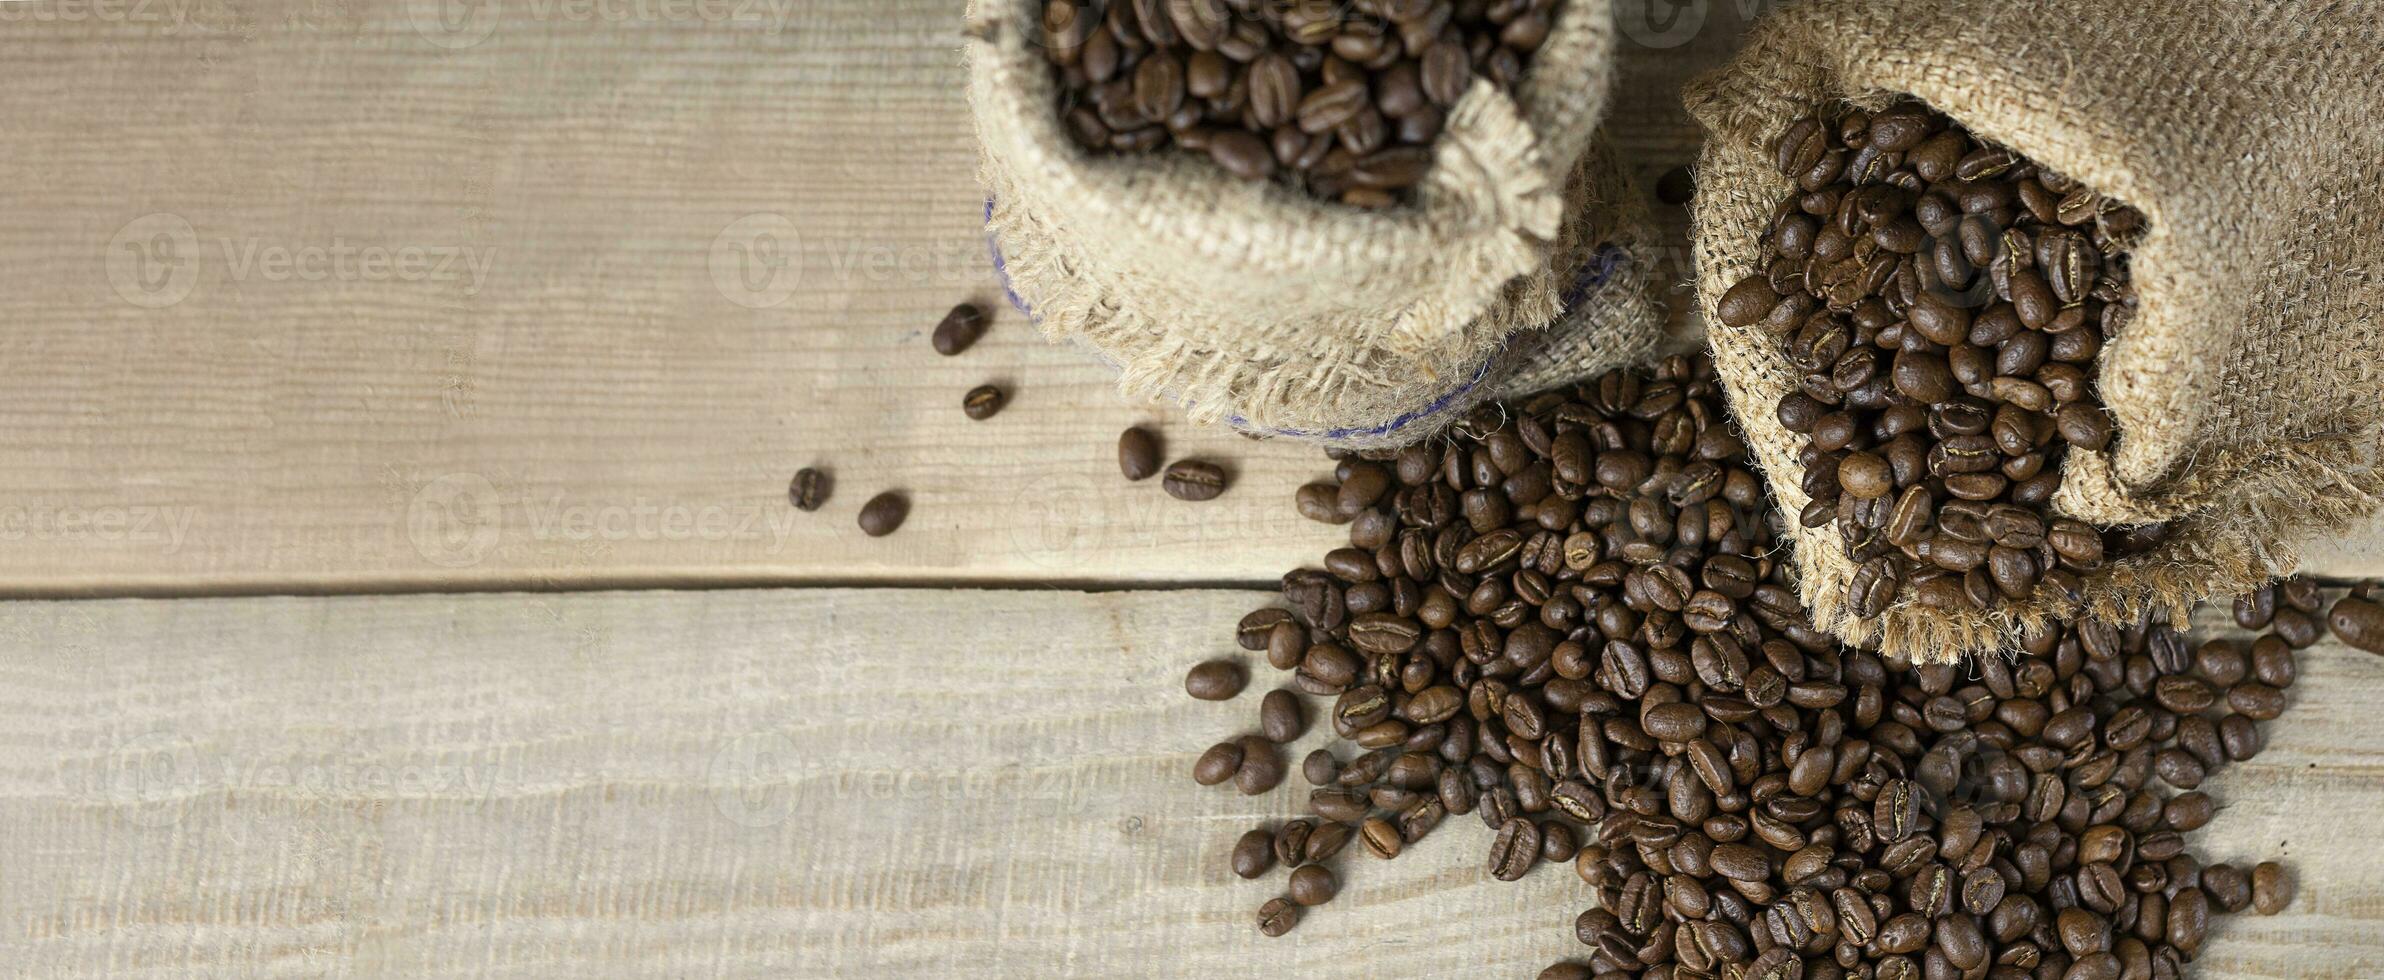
x: 1522, y: 263
x: 2246, y: 390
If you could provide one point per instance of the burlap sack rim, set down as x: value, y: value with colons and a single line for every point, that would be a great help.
x: 2256, y: 506
x: 1297, y: 370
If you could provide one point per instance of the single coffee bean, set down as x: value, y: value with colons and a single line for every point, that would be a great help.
x: 1262, y: 766
x: 1215, y: 680
x: 2271, y: 889
x: 1281, y: 716
x: 1277, y: 917
x: 1218, y: 764
x: 959, y: 329
x: 1193, y: 480
x: 809, y: 489
x: 1138, y: 453
x: 1312, y: 885
x: 883, y: 514
x: 1516, y: 849
x: 1381, y: 838
x: 982, y: 402
x: 2358, y: 622
x: 1254, y: 853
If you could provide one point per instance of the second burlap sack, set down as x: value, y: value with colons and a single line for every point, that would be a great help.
x: 1522, y: 263
x: 2246, y: 390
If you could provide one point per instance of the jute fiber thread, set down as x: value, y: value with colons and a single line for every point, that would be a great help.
x: 1255, y: 304
x: 2246, y: 390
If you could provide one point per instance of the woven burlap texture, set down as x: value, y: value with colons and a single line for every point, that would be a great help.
x: 2246, y: 389
x: 1258, y: 305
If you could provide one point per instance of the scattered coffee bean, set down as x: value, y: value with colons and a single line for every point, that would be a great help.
x: 1254, y: 853
x: 884, y: 513
x: 1262, y: 767
x: 1138, y: 453
x: 2359, y: 623
x: 1215, y: 680
x: 1277, y: 917
x: 1312, y: 885
x: 1281, y: 716
x: 982, y: 402
x: 1218, y: 764
x: 1194, y: 480
x: 959, y: 329
x: 2271, y: 890
x: 809, y: 489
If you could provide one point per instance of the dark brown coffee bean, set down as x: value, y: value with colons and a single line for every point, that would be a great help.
x: 1138, y: 453
x: 2271, y: 889
x: 1215, y: 680
x: 809, y: 489
x: 1516, y: 849
x: 1193, y: 480
x: 1281, y: 716
x: 1312, y: 885
x: 884, y: 513
x: 1218, y: 764
x: 1277, y: 917
x: 1748, y: 302
x: 1254, y: 853
x: 982, y: 402
x: 959, y: 329
x: 1262, y: 766
x: 1381, y: 838
x: 1320, y: 767
x: 2358, y: 622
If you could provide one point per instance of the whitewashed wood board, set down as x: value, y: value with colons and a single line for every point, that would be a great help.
x: 814, y: 783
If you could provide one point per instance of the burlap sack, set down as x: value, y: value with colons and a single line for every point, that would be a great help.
x: 1519, y: 266
x: 2246, y: 389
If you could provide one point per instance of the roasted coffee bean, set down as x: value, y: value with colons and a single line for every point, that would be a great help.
x: 1262, y: 767
x: 1254, y: 853
x: 1215, y: 680
x: 1277, y: 917
x: 982, y: 402
x: 1281, y: 716
x: 884, y: 513
x: 1312, y: 885
x: 1381, y: 838
x: 1218, y: 764
x: 959, y: 329
x: 1193, y: 480
x: 2271, y: 889
x: 1320, y: 768
x: 1138, y: 453
x: 2359, y: 623
x: 809, y: 489
x: 1515, y: 850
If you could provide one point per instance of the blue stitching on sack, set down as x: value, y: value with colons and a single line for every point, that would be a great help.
x: 1592, y: 276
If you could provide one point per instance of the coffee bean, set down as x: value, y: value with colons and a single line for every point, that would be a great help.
x: 1193, y: 480
x: 809, y: 489
x: 883, y: 514
x: 1138, y: 453
x: 1321, y: 767
x: 959, y: 329
x: 1313, y: 885
x: 1254, y: 853
x: 1516, y: 849
x: 2358, y: 622
x: 2271, y: 889
x: 1215, y: 680
x: 1262, y: 767
x: 1281, y: 717
x: 982, y: 402
x: 1278, y: 916
x: 1381, y: 838
x: 1218, y: 764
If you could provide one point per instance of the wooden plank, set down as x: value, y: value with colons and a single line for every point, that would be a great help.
x: 306, y: 298
x: 805, y: 783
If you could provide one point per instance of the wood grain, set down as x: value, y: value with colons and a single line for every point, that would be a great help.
x: 453, y: 294
x: 811, y: 783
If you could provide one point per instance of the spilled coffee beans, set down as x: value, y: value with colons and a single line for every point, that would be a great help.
x: 1341, y: 100
x: 1946, y: 301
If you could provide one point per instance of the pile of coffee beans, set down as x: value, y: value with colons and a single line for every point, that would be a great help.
x: 1343, y: 98
x: 1945, y: 300
x: 1568, y: 621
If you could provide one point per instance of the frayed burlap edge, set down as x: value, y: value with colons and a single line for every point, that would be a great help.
x: 1253, y: 305
x: 2237, y: 517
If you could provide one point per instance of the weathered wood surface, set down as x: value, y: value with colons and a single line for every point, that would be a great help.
x: 810, y: 783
